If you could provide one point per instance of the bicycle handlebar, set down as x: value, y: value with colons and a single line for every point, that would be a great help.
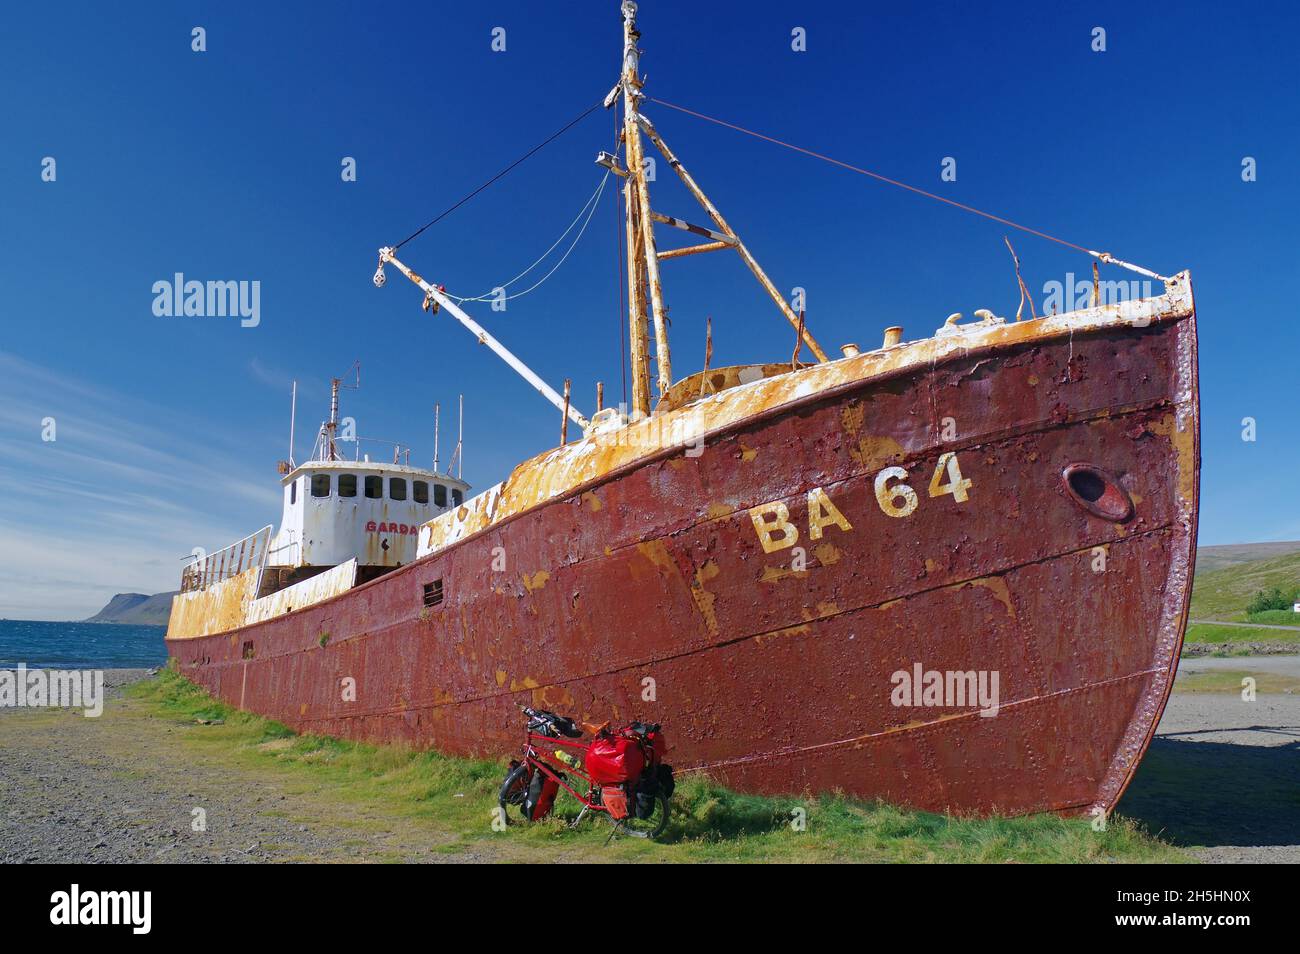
x: 641, y: 728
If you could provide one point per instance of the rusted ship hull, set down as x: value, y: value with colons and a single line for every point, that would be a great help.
x: 673, y: 588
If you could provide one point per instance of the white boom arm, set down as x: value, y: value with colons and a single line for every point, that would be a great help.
x: 386, y: 256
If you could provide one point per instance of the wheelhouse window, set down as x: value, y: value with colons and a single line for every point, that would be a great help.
x: 320, y: 485
x: 396, y: 488
x: 457, y: 498
x: 347, y: 485
x: 374, y: 487
x: 420, y: 491
x: 440, y: 495
x: 293, y: 491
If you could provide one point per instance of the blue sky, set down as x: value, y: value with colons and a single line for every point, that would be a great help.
x: 226, y: 165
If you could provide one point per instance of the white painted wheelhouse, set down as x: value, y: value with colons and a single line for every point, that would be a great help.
x: 340, y: 510
x: 343, y: 523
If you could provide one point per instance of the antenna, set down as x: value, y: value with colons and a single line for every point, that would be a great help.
x: 331, y: 427
x: 293, y: 411
x: 457, y: 456
x: 435, y: 437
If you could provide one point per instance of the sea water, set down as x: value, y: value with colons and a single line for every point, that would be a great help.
x: 52, y: 645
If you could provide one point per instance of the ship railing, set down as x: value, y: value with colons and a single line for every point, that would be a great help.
x: 212, y: 568
x: 293, y: 545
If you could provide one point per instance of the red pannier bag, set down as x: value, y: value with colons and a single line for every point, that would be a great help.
x: 659, y: 748
x: 612, y: 759
x: 614, y: 798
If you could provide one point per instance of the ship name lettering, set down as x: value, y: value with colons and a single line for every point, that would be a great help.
x: 897, y: 499
x: 398, y: 528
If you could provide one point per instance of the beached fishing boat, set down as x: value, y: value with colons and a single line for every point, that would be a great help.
x: 951, y: 572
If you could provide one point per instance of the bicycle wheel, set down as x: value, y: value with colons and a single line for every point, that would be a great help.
x: 651, y: 827
x: 513, y: 790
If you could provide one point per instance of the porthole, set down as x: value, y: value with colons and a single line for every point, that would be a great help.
x: 1097, y: 492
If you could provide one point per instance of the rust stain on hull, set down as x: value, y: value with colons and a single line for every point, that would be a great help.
x: 785, y: 686
x: 219, y: 608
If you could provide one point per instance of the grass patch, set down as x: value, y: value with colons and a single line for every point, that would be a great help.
x: 1210, y: 633
x: 1276, y: 617
x: 1224, y: 593
x: 173, y: 695
x: 449, y: 801
x: 1229, y: 680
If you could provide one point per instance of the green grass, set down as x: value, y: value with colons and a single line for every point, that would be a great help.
x: 1227, y: 636
x: 1230, y: 680
x: 1275, y: 617
x: 453, y: 798
x: 1223, y: 594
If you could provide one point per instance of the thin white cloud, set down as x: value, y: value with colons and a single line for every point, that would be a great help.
x: 117, y: 500
x: 282, y: 381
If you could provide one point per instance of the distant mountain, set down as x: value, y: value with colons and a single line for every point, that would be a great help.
x: 1216, y: 558
x: 136, y: 609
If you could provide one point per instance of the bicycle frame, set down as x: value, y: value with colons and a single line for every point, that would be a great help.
x: 533, y: 758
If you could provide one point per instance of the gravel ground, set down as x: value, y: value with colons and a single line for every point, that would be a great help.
x: 1224, y: 774
x: 1282, y: 665
x: 1222, y: 777
x: 117, y: 789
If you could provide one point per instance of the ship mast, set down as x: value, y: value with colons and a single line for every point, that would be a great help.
x: 329, y: 430
x: 332, y: 425
x: 645, y: 291
x: 642, y: 260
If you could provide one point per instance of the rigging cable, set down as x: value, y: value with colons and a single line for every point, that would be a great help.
x: 589, y: 207
x: 1102, y: 256
x: 528, y: 155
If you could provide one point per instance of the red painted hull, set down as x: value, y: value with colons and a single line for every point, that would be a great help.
x: 779, y: 680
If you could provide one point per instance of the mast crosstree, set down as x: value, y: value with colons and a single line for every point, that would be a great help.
x: 646, y: 304
x: 645, y: 289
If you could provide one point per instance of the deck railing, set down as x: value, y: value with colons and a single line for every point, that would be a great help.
x: 241, y: 555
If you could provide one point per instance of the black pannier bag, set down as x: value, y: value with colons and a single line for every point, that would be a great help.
x: 653, y: 782
x: 541, y: 795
